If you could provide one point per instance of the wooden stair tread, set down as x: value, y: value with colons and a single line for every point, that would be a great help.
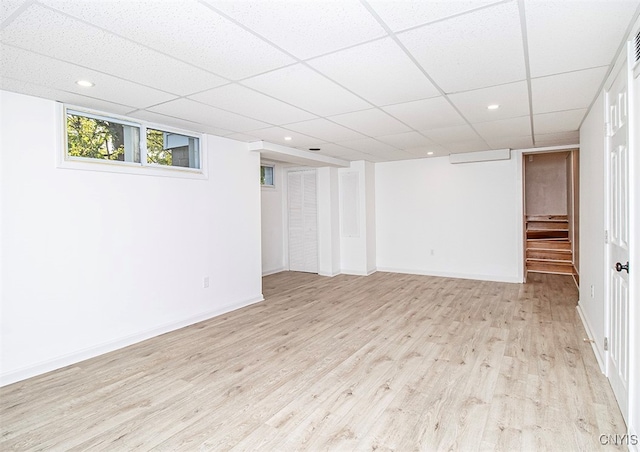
x: 547, y: 218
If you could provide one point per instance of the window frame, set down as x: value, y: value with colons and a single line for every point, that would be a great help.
x: 273, y: 169
x: 66, y: 161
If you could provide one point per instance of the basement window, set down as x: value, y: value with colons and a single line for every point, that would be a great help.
x: 266, y: 176
x: 124, y: 145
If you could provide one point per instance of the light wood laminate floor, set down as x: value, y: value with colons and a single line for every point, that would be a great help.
x: 385, y: 362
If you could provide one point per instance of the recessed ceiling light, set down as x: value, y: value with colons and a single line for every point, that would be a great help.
x: 85, y: 83
x: 430, y: 153
x: 287, y: 138
x: 493, y: 107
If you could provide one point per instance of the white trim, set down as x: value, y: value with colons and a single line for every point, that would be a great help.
x: 587, y: 327
x: 76, y: 357
x: 566, y: 147
x: 273, y: 271
x: 360, y: 272
x: 330, y: 275
x: 494, y: 278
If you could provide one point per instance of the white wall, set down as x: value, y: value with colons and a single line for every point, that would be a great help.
x: 272, y: 205
x: 92, y: 261
x: 462, y: 220
x: 328, y: 222
x: 358, y: 253
x: 592, y: 227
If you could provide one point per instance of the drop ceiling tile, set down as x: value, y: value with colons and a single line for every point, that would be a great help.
x: 276, y: 135
x: 562, y: 121
x: 19, y: 86
x: 557, y: 139
x: 205, y: 114
x: 46, y: 32
x: 567, y: 91
x: 373, y: 71
x: 368, y: 145
x: 242, y: 100
x: 513, y: 99
x: 582, y: 34
x: 426, y: 114
x: 512, y: 127
x: 406, y: 140
x: 524, y: 142
x: 203, y: 37
x: 452, y: 134
x: 243, y: 137
x: 341, y: 152
x: 324, y: 130
x: 372, y: 122
x: 401, y: 15
x: 475, y: 50
x: 428, y: 151
x: 8, y: 7
x: 189, y: 126
x: 303, y: 87
x: 44, y: 71
x: 466, y: 146
x: 306, y: 29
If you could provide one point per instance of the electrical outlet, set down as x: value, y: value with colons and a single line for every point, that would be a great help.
x: 205, y: 282
x: 593, y: 291
x: 432, y: 252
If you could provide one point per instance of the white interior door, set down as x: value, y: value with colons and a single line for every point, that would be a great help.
x: 303, y: 221
x: 618, y: 246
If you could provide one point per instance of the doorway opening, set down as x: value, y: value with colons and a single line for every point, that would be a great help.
x: 551, y: 214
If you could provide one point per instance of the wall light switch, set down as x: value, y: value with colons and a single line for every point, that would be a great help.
x: 205, y: 282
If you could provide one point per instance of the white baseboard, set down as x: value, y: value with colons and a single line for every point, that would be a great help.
x: 330, y: 275
x: 273, y: 271
x: 496, y: 278
x: 75, y: 357
x: 346, y: 271
x: 589, y: 331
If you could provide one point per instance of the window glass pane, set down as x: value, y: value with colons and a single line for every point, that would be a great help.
x: 266, y: 175
x: 172, y: 149
x: 102, y: 139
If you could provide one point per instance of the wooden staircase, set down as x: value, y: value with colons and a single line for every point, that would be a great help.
x: 548, y: 245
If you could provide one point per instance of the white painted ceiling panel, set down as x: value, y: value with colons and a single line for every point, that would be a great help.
x: 368, y: 145
x: 372, y: 71
x: 305, y: 28
x: 8, y: 7
x: 306, y: 89
x: 582, y: 34
x: 406, y: 140
x: 511, y: 142
x: 334, y: 150
x: 488, y: 40
x: 566, y: 91
x: 427, y: 152
x: 184, y: 29
x: 163, y: 120
x: 426, y: 114
x: 373, y: 122
x: 240, y: 99
x: 452, y: 134
x: 400, y: 15
x: 46, y: 32
x: 325, y: 130
x: 503, y: 128
x: 72, y: 99
x: 206, y: 114
x: 562, y: 121
x: 40, y: 70
x: 466, y: 146
x: 513, y: 99
x: 277, y: 135
x: 544, y: 139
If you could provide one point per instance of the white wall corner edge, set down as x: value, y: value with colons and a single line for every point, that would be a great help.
x: 587, y: 327
x: 346, y: 271
x: 480, y: 156
x: 76, y: 357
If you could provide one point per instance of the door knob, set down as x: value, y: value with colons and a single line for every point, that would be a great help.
x: 620, y: 267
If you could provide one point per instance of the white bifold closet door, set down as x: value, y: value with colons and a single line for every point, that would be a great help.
x: 303, y: 221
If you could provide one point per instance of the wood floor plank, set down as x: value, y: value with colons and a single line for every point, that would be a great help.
x: 384, y: 362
